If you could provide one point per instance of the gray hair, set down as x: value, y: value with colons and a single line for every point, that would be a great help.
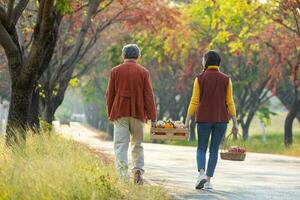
x: 131, y: 51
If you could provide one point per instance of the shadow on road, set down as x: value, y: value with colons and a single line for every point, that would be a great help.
x: 210, y: 194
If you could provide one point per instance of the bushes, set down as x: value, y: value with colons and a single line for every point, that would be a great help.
x: 51, y: 167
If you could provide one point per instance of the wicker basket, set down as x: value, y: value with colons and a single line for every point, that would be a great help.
x: 234, y: 156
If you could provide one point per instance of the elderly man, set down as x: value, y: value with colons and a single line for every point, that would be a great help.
x: 130, y: 103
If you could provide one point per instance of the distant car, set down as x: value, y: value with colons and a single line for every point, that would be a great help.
x: 64, y: 122
x: 78, y: 118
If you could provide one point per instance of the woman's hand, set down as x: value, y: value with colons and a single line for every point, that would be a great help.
x: 187, y: 121
x: 235, y: 127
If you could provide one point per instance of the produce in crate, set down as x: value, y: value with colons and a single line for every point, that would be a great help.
x: 169, y: 130
x: 160, y: 124
x: 179, y: 124
x: 169, y: 124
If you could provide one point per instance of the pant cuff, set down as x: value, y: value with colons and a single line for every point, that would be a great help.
x: 135, y: 169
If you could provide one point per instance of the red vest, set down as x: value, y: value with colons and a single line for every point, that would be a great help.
x: 129, y: 93
x: 213, y: 89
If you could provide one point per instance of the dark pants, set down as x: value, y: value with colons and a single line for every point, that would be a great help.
x: 217, y: 131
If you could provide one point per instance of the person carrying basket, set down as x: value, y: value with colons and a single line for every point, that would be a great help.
x: 212, y: 101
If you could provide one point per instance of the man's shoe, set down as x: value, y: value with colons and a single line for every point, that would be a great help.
x: 138, y: 177
x: 125, y: 176
x: 208, y: 186
x: 201, y: 181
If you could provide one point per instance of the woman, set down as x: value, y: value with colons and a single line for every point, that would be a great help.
x: 212, y: 100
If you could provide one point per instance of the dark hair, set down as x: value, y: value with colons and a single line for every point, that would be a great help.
x: 131, y: 51
x: 211, y: 58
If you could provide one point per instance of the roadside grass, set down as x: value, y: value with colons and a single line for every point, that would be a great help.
x: 51, y: 167
x: 275, y: 140
x: 274, y: 145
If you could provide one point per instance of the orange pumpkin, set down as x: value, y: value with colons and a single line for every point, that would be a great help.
x: 169, y: 125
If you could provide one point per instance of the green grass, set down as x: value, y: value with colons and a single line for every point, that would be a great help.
x: 51, y: 167
x: 277, y: 125
x: 274, y: 145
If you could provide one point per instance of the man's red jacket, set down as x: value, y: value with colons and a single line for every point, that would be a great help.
x: 130, y: 93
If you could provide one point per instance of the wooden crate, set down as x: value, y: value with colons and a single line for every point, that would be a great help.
x: 169, y: 133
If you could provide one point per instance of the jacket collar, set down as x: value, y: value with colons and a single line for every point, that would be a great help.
x: 129, y: 61
x: 213, y: 67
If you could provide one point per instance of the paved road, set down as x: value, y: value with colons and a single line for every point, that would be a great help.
x: 261, y: 176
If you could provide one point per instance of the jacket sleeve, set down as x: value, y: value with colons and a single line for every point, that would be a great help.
x: 195, y: 100
x: 149, y: 102
x: 229, y: 100
x: 110, y: 94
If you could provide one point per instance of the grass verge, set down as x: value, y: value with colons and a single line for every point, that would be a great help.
x: 274, y: 144
x: 51, y: 167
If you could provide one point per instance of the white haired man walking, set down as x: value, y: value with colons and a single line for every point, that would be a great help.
x: 130, y: 103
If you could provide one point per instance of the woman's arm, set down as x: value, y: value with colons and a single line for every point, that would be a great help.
x: 231, y: 107
x: 195, y: 100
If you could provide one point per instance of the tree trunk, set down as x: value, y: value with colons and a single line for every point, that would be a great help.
x: 288, y: 124
x: 48, y: 113
x: 50, y: 103
x: 103, y: 124
x: 34, y: 121
x: 25, y: 68
x: 161, y: 110
x: 92, y: 113
x: 245, y: 123
x: 285, y: 95
x: 17, y: 122
x: 245, y: 128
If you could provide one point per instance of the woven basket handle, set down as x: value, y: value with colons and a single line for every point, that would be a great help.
x: 226, y: 143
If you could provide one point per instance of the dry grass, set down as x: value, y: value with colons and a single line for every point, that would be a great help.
x: 51, y: 167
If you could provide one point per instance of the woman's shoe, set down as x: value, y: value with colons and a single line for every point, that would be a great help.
x: 201, y: 181
x: 208, y: 186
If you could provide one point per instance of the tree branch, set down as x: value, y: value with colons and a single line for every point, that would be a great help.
x: 20, y: 7
x: 7, y: 42
x: 86, y: 67
x: 12, y: 52
x: 10, y: 8
x: 296, y: 21
x: 98, y: 31
x: 281, y: 23
x: 47, y: 18
x: 81, y: 7
x: 104, y: 7
x: 39, y: 19
x: 93, y: 5
x: 2, y: 15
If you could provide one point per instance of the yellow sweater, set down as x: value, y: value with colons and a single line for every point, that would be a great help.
x: 195, y: 100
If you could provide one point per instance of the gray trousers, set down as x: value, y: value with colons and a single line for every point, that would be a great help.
x: 124, y: 129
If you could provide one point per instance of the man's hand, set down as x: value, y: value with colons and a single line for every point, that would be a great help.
x: 153, y: 123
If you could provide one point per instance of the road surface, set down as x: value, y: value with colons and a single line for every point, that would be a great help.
x: 261, y: 176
